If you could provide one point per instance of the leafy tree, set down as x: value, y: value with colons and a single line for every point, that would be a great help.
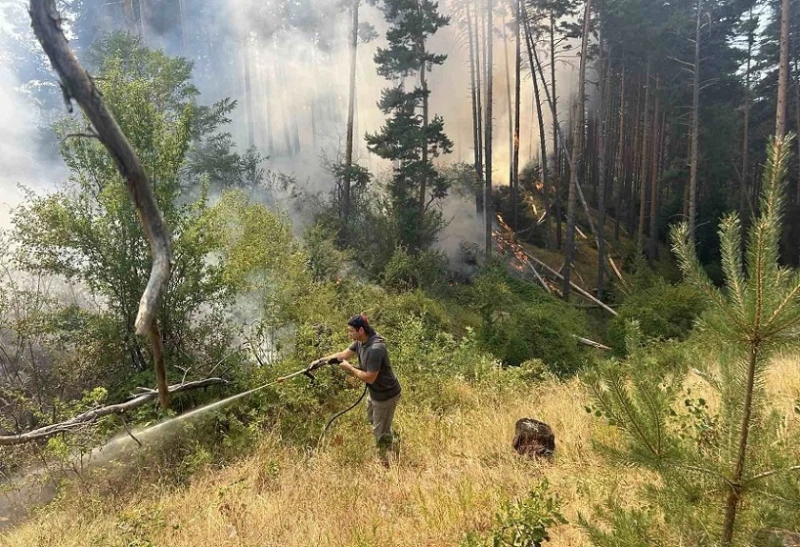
x: 720, y: 466
x: 409, y: 138
x: 88, y: 231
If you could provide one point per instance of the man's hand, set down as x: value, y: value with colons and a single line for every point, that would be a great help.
x: 363, y: 375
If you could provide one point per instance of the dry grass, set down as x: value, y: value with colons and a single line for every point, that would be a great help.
x: 455, y: 469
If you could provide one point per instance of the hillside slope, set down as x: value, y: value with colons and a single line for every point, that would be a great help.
x: 456, y: 468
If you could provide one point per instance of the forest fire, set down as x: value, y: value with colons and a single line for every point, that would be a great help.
x: 505, y: 240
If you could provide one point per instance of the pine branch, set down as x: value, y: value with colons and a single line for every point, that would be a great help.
x: 766, y: 474
x: 730, y: 240
x: 693, y: 271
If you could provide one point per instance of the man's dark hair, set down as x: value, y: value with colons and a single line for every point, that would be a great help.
x: 361, y: 322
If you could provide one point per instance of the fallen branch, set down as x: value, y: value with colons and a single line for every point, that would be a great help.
x: 77, y: 84
x: 539, y: 277
x: 91, y: 416
x: 617, y: 272
x: 592, y: 343
x: 578, y: 289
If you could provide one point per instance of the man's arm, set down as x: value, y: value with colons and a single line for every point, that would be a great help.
x: 343, y: 355
x: 372, y: 366
x: 363, y: 375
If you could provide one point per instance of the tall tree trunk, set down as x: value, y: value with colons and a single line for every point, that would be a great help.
x: 652, y: 252
x: 295, y: 135
x: 143, y: 34
x: 590, y: 167
x: 577, y: 153
x: 554, y: 109
x: 510, y: 108
x: 744, y: 178
x: 633, y: 159
x: 732, y: 503
x: 646, y: 144
x: 620, y: 169
x: 184, y: 33
x: 287, y: 139
x: 695, y: 129
x: 423, y: 82
x: 515, y: 162
x: 312, y: 101
x: 351, y: 113
x: 540, y: 117
x: 605, y: 112
x: 783, y: 73
x: 266, y: 81
x: 478, y: 91
x: 487, y: 201
x: 248, y: 91
x: 474, y: 92
x: 797, y: 113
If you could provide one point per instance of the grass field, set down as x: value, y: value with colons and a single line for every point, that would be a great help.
x: 455, y: 469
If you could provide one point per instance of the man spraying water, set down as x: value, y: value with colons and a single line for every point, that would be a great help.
x: 375, y: 370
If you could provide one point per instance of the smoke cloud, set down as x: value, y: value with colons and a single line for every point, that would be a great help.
x: 287, y: 65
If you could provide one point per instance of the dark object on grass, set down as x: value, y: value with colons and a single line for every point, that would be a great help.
x: 534, y: 438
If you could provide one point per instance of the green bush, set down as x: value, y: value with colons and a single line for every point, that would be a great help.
x: 520, y: 322
x: 663, y: 311
x: 544, y: 332
x: 424, y: 270
x: 523, y: 523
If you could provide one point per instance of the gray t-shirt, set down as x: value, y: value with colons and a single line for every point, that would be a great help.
x: 372, y: 356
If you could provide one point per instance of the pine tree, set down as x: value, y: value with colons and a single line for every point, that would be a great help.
x: 724, y: 468
x: 410, y: 139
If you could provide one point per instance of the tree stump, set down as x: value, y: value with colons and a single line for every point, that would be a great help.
x: 534, y: 438
x: 775, y: 537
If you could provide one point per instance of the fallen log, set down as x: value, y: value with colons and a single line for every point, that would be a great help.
x: 592, y: 343
x: 539, y: 278
x: 91, y: 416
x: 577, y: 288
x: 617, y: 272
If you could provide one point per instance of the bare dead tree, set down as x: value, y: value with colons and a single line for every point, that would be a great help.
x: 743, y: 176
x: 248, y: 91
x: 646, y: 143
x: 78, y: 85
x: 604, y: 151
x: 658, y: 135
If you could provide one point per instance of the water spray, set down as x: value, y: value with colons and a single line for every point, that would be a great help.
x: 308, y: 371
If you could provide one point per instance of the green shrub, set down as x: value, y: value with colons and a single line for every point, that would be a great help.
x: 520, y: 322
x: 523, y: 523
x: 663, y: 311
x: 536, y: 332
x: 406, y: 271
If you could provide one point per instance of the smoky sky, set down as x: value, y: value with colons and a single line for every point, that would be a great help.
x: 287, y: 65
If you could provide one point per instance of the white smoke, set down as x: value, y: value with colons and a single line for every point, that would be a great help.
x: 21, y: 162
x: 295, y: 111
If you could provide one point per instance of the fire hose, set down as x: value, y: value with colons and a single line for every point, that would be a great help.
x: 309, y: 372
